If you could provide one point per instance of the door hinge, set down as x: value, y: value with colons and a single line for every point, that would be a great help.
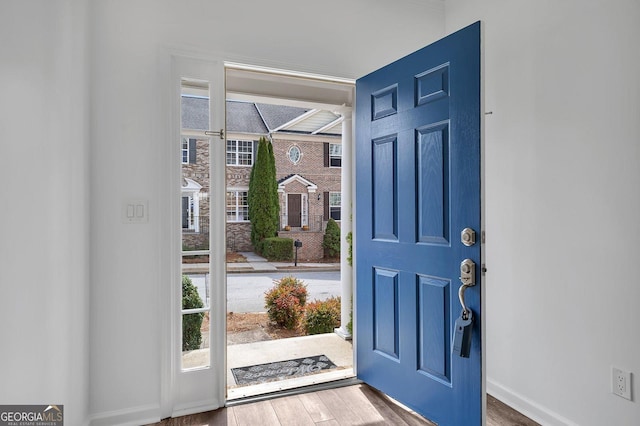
x: 215, y: 133
x: 482, y: 237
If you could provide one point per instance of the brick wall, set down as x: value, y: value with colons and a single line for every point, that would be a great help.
x: 238, y: 176
x: 311, y: 167
x: 311, y: 249
x: 239, y: 236
x: 195, y: 241
x: 239, y: 233
x: 199, y: 172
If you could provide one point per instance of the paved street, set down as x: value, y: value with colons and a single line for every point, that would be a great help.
x: 245, y: 292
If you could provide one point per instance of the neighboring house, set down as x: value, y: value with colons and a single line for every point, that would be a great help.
x: 308, y: 158
x: 195, y: 172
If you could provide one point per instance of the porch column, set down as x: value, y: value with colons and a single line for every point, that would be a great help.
x: 346, y: 185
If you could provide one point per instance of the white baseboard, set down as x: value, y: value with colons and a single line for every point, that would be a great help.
x: 134, y: 416
x: 531, y: 409
x: 196, y: 407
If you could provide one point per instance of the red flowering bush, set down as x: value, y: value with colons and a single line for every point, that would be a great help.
x: 285, y: 302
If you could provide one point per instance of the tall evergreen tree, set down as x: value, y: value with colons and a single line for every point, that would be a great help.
x: 263, y: 202
x: 275, y: 199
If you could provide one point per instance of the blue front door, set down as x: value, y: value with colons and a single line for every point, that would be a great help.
x: 417, y: 188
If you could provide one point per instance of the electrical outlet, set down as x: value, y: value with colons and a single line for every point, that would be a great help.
x: 621, y: 383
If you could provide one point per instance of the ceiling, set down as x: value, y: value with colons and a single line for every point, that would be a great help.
x: 274, y: 86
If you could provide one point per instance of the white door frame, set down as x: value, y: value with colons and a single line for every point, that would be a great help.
x: 187, y: 392
x: 200, y: 389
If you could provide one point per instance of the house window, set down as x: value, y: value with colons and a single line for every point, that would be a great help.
x: 335, y: 155
x: 188, y: 213
x: 237, y: 206
x: 188, y: 150
x: 334, y: 205
x: 239, y: 153
x: 294, y: 154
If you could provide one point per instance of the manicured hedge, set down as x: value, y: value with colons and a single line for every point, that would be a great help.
x: 277, y: 248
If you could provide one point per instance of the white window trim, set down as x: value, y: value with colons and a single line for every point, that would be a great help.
x: 299, y: 154
x: 183, y: 150
x: 335, y: 206
x: 304, y: 208
x: 236, y: 190
x: 236, y: 140
x: 335, y: 156
x: 192, y: 190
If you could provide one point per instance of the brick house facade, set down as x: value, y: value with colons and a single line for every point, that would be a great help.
x: 195, y: 190
x: 307, y: 169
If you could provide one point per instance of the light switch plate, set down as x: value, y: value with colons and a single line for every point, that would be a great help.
x: 135, y: 211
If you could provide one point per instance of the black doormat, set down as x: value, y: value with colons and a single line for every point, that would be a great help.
x: 281, y: 370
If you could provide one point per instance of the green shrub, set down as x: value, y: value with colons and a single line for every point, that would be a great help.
x: 262, y: 197
x: 331, y: 240
x: 277, y: 248
x: 322, y: 316
x: 191, y: 323
x: 285, y: 302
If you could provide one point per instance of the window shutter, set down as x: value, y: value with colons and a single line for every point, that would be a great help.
x: 192, y: 151
x: 326, y: 204
x: 255, y: 152
x: 185, y: 212
x: 326, y: 154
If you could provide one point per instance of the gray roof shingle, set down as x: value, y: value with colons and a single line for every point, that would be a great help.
x: 195, y: 113
x: 243, y: 117
x: 277, y: 115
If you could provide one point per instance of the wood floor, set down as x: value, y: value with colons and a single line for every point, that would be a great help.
x: 346, y: 406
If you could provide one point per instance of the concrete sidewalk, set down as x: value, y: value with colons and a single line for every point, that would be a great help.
x: 257, y: 263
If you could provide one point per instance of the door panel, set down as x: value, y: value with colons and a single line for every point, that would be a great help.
x: 385, y: 312
x: 294, y: 210
x: 384, y: 181
x: 418, y: 186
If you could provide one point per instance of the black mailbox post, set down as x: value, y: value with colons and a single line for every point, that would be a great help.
x: 296, y: 244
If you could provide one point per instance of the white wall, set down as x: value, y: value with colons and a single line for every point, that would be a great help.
x: 129, y: 156
x: 44, y: 230
x: 562, y: 174
x: 562, y: 168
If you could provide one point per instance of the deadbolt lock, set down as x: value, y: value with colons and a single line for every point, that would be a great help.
x: 468, y: 237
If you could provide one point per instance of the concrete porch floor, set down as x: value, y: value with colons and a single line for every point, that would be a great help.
x: 338, y: 350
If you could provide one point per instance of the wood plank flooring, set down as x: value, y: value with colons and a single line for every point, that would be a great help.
x: 346, y: 406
